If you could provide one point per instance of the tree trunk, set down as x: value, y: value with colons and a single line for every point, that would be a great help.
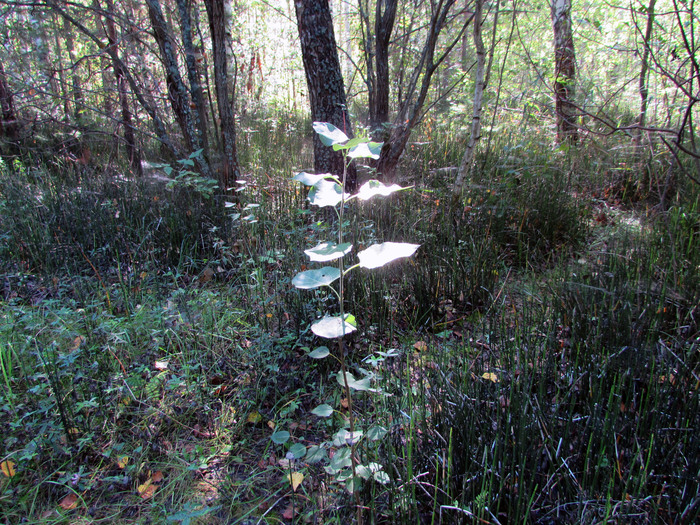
x: 198, y: 108
x: 230, y: 171
x: 479, y: 87
x: 564, y: 71
x: 132, y: 151
x: 411, y: 107
x: 644, y: 72
x: 324, y: 81
x: 376, y: 50
x: 9, y: 126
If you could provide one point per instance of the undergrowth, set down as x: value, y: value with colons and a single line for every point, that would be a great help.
x: 539, y: 356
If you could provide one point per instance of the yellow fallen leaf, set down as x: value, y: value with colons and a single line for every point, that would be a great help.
x: 254, y: 417
x: 147, y: 489
x: 271, y: 424
x: 122, y: 461
x: 69, y: 502
x: 8, y: 468
x: 490, y: 376
x: 295, y: 478
x: 421, y: 346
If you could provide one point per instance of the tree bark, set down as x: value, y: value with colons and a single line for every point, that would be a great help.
x: 9, y: 125
x: 479, y: 88
x: 198, y: 108
x: 564, y: 71
x: 325, y: 82
x: 132, y: 151
x: 411, y: 107
x: 644, y: 72
x: 376, y: 50
x: 230, y: 171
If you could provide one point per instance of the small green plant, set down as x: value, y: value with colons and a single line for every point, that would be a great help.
x: 327, y: 190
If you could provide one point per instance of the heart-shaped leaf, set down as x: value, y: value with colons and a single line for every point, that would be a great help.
x: 309, y: 179
x: 326, y: 193
x: 280, y: 437
x: 311, y: 279
x: 316, y: 454
x: 331, y: 327
x: 323, y: 410
x: 378, y: 255
x: 329, y: 134
x: 297, y: 450
x: 372, y: 188
x: 365, y: 149
x: 320, y: 352
x: 328, y: 251
x: 355, y: 384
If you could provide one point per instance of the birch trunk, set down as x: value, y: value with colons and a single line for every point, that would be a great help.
x: 564, y: 71
x: 479, y: 87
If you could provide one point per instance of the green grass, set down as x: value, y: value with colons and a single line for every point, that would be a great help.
x: 538, y: 358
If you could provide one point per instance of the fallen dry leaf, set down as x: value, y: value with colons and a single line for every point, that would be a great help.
x: 295, y: 478
x: 8, y: 468
x: 69, y: 502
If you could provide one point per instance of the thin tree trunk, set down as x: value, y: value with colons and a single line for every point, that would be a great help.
x: 198, y: 108
x: 479, y: 87
x: 411, y: 107
x: 564, y: 71
x: 325, y: 82
x: 75, y: 78
x: 644, y: 73
x: 230, y: 171
x: 132, y: 151
x: 9, y: 125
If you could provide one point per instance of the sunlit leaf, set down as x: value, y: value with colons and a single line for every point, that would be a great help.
x: 365, y: 149
x: 372, y: 188
x: 331, y: 327
x: 328, y: 251
x: 490, y: 376
x: 280, y: 437
x: 8, y: 468
x: 309, y: 179
x: 329, y: 134
x: 378, y: 255
x: 326, y: 193
x: 352, y: 382
x: 381, y: 477
x: 311, y: 279
x: 323, y: 410
x: 320, y: 352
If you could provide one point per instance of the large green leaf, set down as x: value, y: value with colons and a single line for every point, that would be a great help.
x: 320, y: 352
x: 355, y: 384
x: 329, y: 134
x: 323, y: 410
x: 309, y: 179
x: 333, y: 327
x: 378, y: 255
x: 328, y: 251
x: 280, y: 437
x: 311, y: 279
x: 365, y: 149
x: 326, y: 193
x: 372, y: 188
